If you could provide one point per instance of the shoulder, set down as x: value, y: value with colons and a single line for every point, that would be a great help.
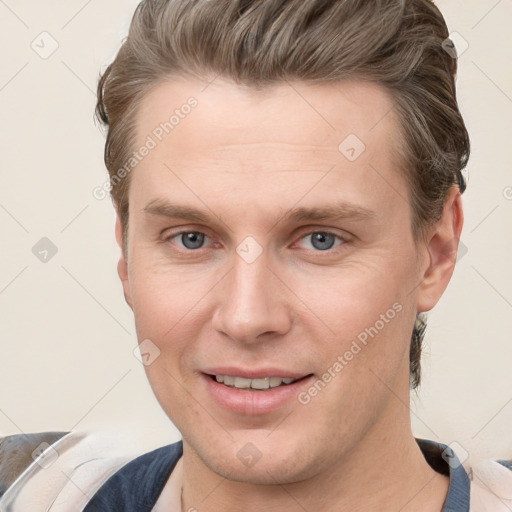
x: 19, y: 451
x: 491, y: 485
x: 137, y: 485
x: 79, y: 471
x: 479, y: 484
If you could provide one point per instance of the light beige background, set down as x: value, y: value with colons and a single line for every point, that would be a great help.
x: 67, y: 336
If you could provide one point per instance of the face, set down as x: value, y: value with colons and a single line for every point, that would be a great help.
x: 269, y: 238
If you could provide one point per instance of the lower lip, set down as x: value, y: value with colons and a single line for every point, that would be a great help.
x: 251, y: 402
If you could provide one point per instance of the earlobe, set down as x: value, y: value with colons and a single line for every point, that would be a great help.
x: 122, y: 265
x: 442, y: 247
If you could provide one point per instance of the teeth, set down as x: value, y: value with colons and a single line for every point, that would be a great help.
x: 261, y: 384
x: 242, y: 383
x: 275, y: 381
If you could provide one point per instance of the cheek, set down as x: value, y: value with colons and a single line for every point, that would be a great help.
x: 166, y: 301
x: 166, y: 305
x: 362, y: 367
x: 361, y: 327
x: 350, y: 299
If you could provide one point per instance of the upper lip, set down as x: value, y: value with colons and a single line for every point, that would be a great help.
x: 252, y: 373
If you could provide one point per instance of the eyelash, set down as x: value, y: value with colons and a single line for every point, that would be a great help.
x: 329, y: 251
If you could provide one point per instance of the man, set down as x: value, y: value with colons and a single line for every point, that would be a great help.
x: 287, y: 181
x: 294, y: 205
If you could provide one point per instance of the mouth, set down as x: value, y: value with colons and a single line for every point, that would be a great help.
x: 258, y: 384
x: 254, y: 391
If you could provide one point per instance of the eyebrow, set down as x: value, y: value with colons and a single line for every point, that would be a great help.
x: 338, y: 211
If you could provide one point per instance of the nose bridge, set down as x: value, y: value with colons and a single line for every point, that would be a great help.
x: 250, y: 303
x: 251, y: 279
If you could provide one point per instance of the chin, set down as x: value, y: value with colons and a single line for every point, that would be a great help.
x: 269, y: 472
x: 260, y: 461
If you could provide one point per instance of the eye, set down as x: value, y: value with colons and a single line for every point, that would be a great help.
x: 318, y: 240
x: 322, y: 240
x: 190, y: 239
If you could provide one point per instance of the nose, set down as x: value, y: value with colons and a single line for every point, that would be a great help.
x: 252, y: 304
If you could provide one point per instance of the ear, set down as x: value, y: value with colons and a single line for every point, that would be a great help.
x: 122, y: 265
x: 442, y: 245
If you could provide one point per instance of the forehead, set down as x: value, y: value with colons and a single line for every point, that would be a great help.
x: 281, y: 138
x: 294, y: 112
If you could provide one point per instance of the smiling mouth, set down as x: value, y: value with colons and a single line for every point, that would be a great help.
x: 262, y: 384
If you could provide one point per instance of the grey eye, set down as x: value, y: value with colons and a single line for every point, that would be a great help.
x: 192, y: 239
x: 322, y: 241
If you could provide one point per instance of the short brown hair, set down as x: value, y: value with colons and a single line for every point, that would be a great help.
x: 398, y: 44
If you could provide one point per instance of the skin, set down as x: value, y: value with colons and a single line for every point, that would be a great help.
x: 246, y: 158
